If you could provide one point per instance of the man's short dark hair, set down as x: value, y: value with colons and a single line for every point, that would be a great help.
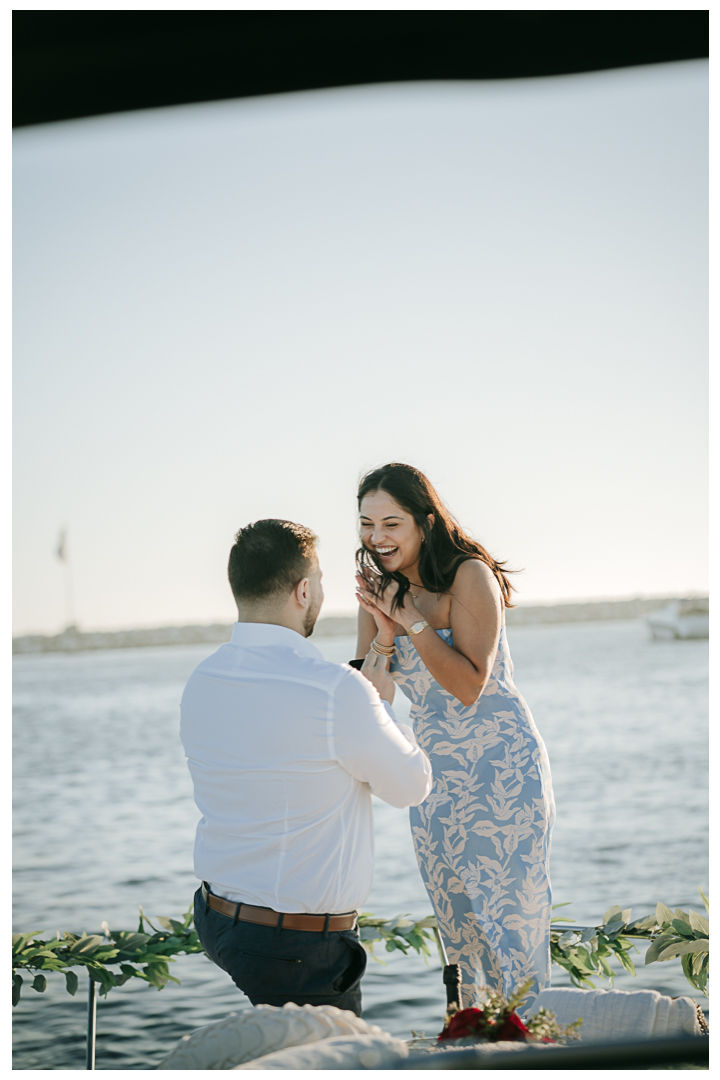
x: 269, y: 557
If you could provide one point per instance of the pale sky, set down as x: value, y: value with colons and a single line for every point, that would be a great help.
x: 230, y: 311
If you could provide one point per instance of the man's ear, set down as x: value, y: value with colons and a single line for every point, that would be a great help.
x: 302, y: 592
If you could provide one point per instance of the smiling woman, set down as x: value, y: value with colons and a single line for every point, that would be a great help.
x: 432, y: 601
x: 414, y: 564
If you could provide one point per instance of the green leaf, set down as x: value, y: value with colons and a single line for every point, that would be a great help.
x: 120, y: 980
x: 127, y: 941
x: 105, y: 978
x: 657, y: 947
x: 39, y: 983
x: 144, y: 919
x: 683, y: 948
x: 649, y: 922
x: 664, y: 914
x: 155, y: 960
x: 683, y: 928
x: 611, y: 913
x: 625, y: 960
x: 157, y: 976
x: 699, y: 924
x: 583, y: 960
x: 105, y: 954
x: 17, y: 982
x: 603, y: 946
x: 705, y: 900
x: 86, y: 945
x: 578, y: 977
x: 33, y: 953
x: 71, y: 982
x: 688, y: 962
x: 392, y: 923
x: 19, y: 940
x: 606, y: 968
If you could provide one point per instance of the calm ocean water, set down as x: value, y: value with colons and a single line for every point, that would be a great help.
x: 104, y: 821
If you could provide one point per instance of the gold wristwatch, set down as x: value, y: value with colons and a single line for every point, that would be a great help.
x: 417, y: 627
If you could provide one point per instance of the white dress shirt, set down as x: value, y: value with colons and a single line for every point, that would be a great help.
x: 285, y: 750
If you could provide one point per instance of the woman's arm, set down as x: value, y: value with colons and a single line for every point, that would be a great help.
x: 366, y: 631
x: 462, y: 669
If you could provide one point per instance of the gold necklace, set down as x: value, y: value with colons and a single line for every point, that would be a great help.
x: 416, y: 595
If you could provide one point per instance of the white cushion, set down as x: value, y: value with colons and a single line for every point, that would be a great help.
x: 620, y: 1014
x: 341, y: 1052
x: 259, y: 1030
x: 365, y: 1052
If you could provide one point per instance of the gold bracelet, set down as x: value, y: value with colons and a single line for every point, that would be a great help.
x: 382, y: 650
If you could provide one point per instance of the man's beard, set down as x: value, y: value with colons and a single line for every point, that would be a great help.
x: 311, y: 619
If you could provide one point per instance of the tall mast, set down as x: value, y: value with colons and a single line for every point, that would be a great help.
x: 62, y: 553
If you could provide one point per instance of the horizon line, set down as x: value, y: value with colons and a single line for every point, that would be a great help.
x: 346, y: 614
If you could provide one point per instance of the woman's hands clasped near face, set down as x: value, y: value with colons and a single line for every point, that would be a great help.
x: 366, y: 592
x: 380, y: 605
x: 375, y: 668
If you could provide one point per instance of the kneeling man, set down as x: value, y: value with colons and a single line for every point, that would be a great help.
x: 285, y: 751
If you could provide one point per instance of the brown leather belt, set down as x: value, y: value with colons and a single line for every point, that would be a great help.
x: 267, y: 917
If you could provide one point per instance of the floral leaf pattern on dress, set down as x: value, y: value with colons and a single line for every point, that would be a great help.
x: 482, y: 836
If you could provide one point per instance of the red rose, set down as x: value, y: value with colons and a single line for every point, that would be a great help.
x: 464, y: 1023
x: 512, y: 1029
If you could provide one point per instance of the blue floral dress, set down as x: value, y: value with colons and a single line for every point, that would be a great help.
x: 482, y: 836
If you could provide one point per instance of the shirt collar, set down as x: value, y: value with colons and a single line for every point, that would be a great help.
x: 260, y: 635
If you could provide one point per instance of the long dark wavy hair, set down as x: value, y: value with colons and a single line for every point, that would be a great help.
x: 445, y: 545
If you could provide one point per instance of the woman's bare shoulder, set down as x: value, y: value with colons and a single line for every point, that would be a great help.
x: 474, y: 579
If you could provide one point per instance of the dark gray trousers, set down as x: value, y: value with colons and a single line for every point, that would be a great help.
x: 274, y: 966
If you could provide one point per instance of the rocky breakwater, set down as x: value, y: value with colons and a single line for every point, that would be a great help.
x: 74, y: 640
x: 592, y: 610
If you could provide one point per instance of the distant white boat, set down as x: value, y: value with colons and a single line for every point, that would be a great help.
x: 683, y: 619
